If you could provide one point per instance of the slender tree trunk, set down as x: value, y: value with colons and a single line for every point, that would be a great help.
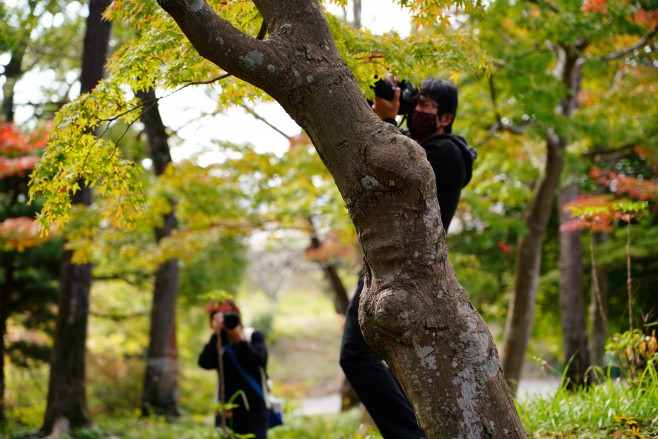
x: 413, y: 311
x: 357, y: 7
x: 522, y: 306
x: 67, y: 401
x: 572, y: 307
x: 528, y: 261
x: 5, y: 295
x: 598, y: 326
x: 13, y: 72
x: 161, y: 379
x: 340, y: 298
x: 349, y: 398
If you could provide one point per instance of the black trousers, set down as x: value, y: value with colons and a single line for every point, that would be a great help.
x: 372, y: 380
x: 248, y: 422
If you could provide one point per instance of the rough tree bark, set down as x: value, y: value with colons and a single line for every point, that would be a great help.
x: 67, y: 400
x: 160, y: 392
x: 522, y: 305
x: 572, y: 303
x: 414, y: 312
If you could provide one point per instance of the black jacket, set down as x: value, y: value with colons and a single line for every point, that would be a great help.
x: 251, y: 356
x: 452, y: 161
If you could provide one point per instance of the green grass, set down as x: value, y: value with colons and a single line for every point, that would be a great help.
x: 304, y: 362
x: 607, y: 410
x: 601, y: 411
x: 347, y: 425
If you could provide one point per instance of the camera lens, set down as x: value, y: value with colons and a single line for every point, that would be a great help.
x: 231, y: 320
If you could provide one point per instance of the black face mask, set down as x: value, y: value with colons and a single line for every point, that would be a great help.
x: 422, y: 125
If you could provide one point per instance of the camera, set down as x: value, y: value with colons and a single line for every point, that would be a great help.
x: 385, y: 89
x: 231, y: 320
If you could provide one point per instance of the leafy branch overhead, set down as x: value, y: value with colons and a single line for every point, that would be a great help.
x: 159, y: 54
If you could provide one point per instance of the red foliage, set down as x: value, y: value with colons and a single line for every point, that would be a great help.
x: 642, y: 190
x: 17, y: 150
x: 597, y: 6
x: 17, y: 166
x: 503, y: 247
x: 600, y: 218
x: 645, y: 17
x: 20, y: 233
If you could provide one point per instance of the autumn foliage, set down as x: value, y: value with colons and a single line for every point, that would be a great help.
x: 18, y: 152
x: 600, y: 212
x: 18, y: 156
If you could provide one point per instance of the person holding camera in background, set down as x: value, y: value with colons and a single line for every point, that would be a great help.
x: 429, y: 115
x: 243, y: 361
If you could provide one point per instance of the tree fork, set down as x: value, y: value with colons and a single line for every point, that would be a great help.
x: 413, y: 312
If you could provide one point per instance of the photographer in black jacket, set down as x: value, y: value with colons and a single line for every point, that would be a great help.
x: 430, y: 124
x: 242, y: 358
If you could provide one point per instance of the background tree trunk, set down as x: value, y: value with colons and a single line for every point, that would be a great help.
x: 522, y: 306
x: 349, y: 398
x: 12, y: 73
x: 161, y: 379
x: 572, y: 308
x: 5, y: 293
x: 330, y: 271
x: 67, y: 401
x: 528, y: 261
x: 413, y: 310
x: 598, y: 326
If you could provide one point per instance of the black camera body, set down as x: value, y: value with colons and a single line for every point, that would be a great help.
x: 231, y: 320
x: 385, y: 89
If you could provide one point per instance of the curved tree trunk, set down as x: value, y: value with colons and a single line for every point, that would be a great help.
x: 413, y: 310
x: 161, y: 379
x: 67, y: 401
x: 572, y: 303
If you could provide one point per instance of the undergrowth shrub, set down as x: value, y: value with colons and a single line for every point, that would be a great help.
x: 634, y: 351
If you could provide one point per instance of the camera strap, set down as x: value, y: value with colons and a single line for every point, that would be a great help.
x: 248, y: 378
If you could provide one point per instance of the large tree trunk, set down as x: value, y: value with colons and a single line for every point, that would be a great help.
x: 67, y: 401
x: 572, y: 307
x: 413, y: 310
x: 161, y: 380
x: 528, y: 260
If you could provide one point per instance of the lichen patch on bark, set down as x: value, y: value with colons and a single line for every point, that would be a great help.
x: 194, y: 5
x: 252, y: 59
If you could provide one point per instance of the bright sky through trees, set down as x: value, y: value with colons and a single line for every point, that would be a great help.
x: 182, y: 111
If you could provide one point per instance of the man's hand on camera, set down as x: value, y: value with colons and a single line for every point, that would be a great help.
x: 385, y: 109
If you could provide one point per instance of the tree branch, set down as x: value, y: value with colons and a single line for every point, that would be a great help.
x: 637, y: 45
x: 220, y: 42
x: 265, y: 121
